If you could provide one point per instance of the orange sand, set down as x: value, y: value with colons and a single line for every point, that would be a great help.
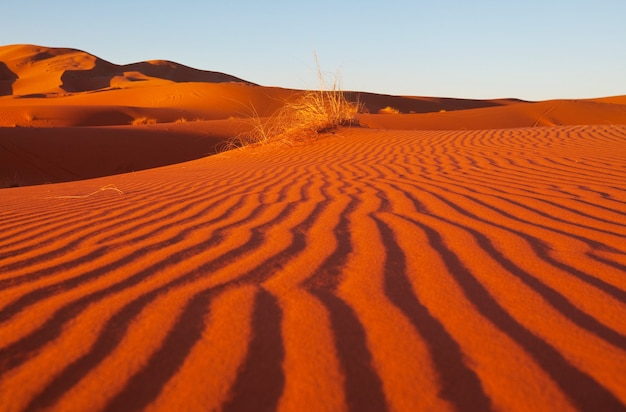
x: 408, y: 265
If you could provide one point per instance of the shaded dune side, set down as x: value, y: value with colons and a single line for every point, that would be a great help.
x: 103, y: 73
x: 38, y: 156
x: 7, y: 77
x: 400, y: 270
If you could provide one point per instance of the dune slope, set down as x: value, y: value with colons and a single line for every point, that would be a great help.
x: 528, y: 114
x: 374, y: 270
x: 31, y: 156
x: 40, y: 71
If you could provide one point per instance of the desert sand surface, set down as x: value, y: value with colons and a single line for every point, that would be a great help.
x: 470, y: 259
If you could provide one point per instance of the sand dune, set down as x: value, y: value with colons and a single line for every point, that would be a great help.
x: 196, y: 119
x: 441, y: 270
x: 49, y: 87
x: 465, y: 260
x: 44, y: 71
x: 75, y: 99
x: 527, y: 114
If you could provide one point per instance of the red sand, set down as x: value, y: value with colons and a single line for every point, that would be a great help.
x: 390, y: 267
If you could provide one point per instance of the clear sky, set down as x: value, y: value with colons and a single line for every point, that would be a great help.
x: 533, y: 49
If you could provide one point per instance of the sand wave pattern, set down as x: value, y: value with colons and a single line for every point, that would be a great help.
x: 374, y: 270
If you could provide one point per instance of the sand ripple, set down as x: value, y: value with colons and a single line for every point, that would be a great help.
x: 374, y: 270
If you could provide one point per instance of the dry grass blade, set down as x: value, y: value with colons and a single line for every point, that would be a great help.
x: 102, y: 189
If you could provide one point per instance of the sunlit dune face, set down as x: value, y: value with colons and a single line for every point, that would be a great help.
x: 39, y: 70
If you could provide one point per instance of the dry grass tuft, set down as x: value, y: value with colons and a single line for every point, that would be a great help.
x: 143, y: 120
x: 389, y: 110
x: 301, y: 118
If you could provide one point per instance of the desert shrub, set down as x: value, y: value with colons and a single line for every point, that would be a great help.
x: 302, y: 117
x: 143, y: 120
x: 389, y: 110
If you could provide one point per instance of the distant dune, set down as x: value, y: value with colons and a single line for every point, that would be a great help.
x: 446, y: 255
x: 529, y: 114
x: 50, y: 71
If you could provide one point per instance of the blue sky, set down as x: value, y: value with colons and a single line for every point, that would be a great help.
x: 533, y: 50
